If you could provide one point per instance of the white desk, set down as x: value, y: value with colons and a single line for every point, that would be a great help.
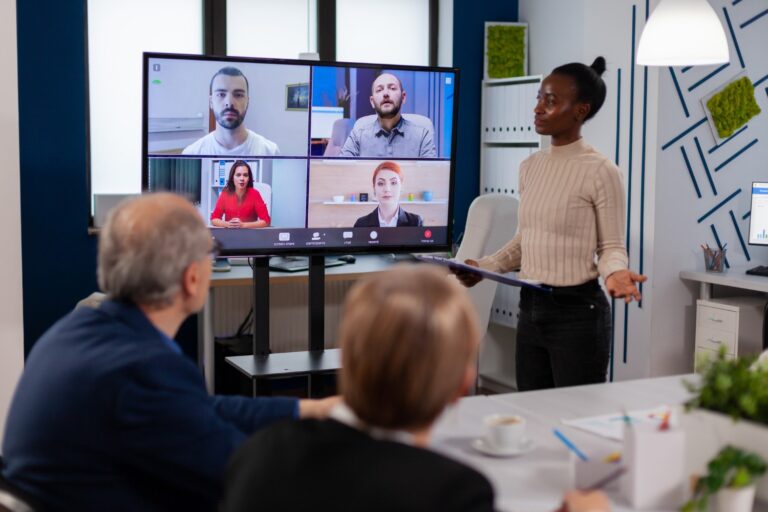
x: 536, y: 481
x: 242, y: 275
x: 734, y: 277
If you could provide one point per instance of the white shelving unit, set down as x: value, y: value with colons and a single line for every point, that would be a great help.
x: 507, y: 138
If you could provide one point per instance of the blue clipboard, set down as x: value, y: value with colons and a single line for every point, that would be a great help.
x: 486, y: 274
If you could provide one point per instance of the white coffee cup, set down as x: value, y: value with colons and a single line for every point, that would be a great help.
x: 338, y: 199
x: 504, y: 431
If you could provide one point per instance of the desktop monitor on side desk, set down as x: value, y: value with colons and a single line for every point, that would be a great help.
x: 758, y: 222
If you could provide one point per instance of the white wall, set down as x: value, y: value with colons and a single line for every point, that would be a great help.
x: 678, y: 207
x: 664, y: 205
x: 11, y: 327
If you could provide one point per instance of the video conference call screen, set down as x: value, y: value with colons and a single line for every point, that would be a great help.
x: 296, y: 156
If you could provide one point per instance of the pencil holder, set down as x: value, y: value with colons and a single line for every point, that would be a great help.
x: 586, y: 473
x: 714, y: 259
x: 655, y: 462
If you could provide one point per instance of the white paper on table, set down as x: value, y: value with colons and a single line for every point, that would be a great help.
x: 612, y: 425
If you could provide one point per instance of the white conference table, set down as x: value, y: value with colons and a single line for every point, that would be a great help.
x: 535, y: 481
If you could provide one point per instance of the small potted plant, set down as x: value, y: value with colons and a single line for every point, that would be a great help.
x: 729, y: 406
x: 731, y: 479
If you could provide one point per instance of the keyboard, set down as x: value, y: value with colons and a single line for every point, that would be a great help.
x: 758, y: 271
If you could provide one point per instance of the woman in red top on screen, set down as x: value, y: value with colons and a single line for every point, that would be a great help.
x: 240, y: 205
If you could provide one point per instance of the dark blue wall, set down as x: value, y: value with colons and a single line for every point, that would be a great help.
x: 469, y: 17
x: 59, y: 257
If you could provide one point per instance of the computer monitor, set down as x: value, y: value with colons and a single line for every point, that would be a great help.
x: 758, y: 217
x: 353, y: 157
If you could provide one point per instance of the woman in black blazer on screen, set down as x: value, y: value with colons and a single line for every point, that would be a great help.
x: 387, y: 184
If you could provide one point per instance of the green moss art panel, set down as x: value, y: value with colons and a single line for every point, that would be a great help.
x: 732, y: 107
x: 506, y: 51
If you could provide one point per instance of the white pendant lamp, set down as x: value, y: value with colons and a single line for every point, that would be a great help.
x: 683, y: 33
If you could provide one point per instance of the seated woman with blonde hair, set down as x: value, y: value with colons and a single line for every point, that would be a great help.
x: 409, y: 338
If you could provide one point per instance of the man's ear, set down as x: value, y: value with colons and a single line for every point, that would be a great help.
x: 402, y: 98
x: 373, y: 105
x: 189, y: 279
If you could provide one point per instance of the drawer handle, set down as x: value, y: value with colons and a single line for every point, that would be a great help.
x: 716, y: 320
x: 717, y: 342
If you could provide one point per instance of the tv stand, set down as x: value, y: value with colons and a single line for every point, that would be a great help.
x: 316, y: 360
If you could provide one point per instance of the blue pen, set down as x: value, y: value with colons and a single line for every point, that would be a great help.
x: 567, y: 442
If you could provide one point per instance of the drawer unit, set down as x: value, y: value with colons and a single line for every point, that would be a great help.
x: 735, y: 323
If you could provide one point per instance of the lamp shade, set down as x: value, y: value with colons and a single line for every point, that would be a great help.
x: 683, y: 33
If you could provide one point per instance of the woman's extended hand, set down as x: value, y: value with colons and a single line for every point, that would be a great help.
x: 468, y: 279
x: 622, y: 284
x: 234, y: 223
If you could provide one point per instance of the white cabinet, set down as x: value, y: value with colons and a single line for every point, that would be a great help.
x: 508, y: 137
x: 735, y: 323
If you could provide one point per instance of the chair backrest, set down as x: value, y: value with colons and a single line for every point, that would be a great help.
x: 266, y: 194
x: 339, y: 133
x: 491, y: 222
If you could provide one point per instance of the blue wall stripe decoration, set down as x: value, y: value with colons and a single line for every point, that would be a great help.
x: 733, y: 36
x: 679, y: 92
x: 690, y: 172
x: 642, y: 170
x: 735, y: 2
x: 686, y: 132
x: 626, y: 333
x: 738, y: 233
x: 685, y: 69
x: 736, y: 155
x: 719, y: 205
x: 766, y: 91
x: 715, y: 72
x: 631, y: 133
x: 618, y: 115
x: 754, y: 19
x: 746, y: 215
x: 613, y: 340
x: 760, y: 81
x: 719, y: 245
x: 704, y: 163
x: 718, y: 146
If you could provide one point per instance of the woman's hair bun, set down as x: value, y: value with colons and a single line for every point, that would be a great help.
x: 598, y: 66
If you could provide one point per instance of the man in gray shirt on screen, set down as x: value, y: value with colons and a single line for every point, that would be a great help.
x: 229, y: 103
x: 389, y: 134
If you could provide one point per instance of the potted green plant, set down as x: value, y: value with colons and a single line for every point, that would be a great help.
x: 729, y: 405
x: 731, y: 479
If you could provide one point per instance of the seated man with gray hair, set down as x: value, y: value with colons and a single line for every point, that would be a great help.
x: 108, y: 414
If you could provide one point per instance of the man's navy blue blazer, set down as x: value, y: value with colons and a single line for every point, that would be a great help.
x: 108, y: 415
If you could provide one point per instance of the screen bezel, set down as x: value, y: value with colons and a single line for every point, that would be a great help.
x: 751, y: 204
x: 276, y: 251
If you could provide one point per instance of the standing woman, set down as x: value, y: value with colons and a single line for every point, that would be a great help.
x: 571, y: 210
x: 240, y: 205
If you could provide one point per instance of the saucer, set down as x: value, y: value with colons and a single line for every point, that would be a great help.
x: 481, y: 445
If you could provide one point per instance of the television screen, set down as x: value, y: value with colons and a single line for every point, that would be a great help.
x: 301, y: 157
x: 758, y: 217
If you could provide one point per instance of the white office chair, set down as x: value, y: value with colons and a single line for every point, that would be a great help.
x: 339, y: 133
x: 266, y: 194
x: 491, y: 222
